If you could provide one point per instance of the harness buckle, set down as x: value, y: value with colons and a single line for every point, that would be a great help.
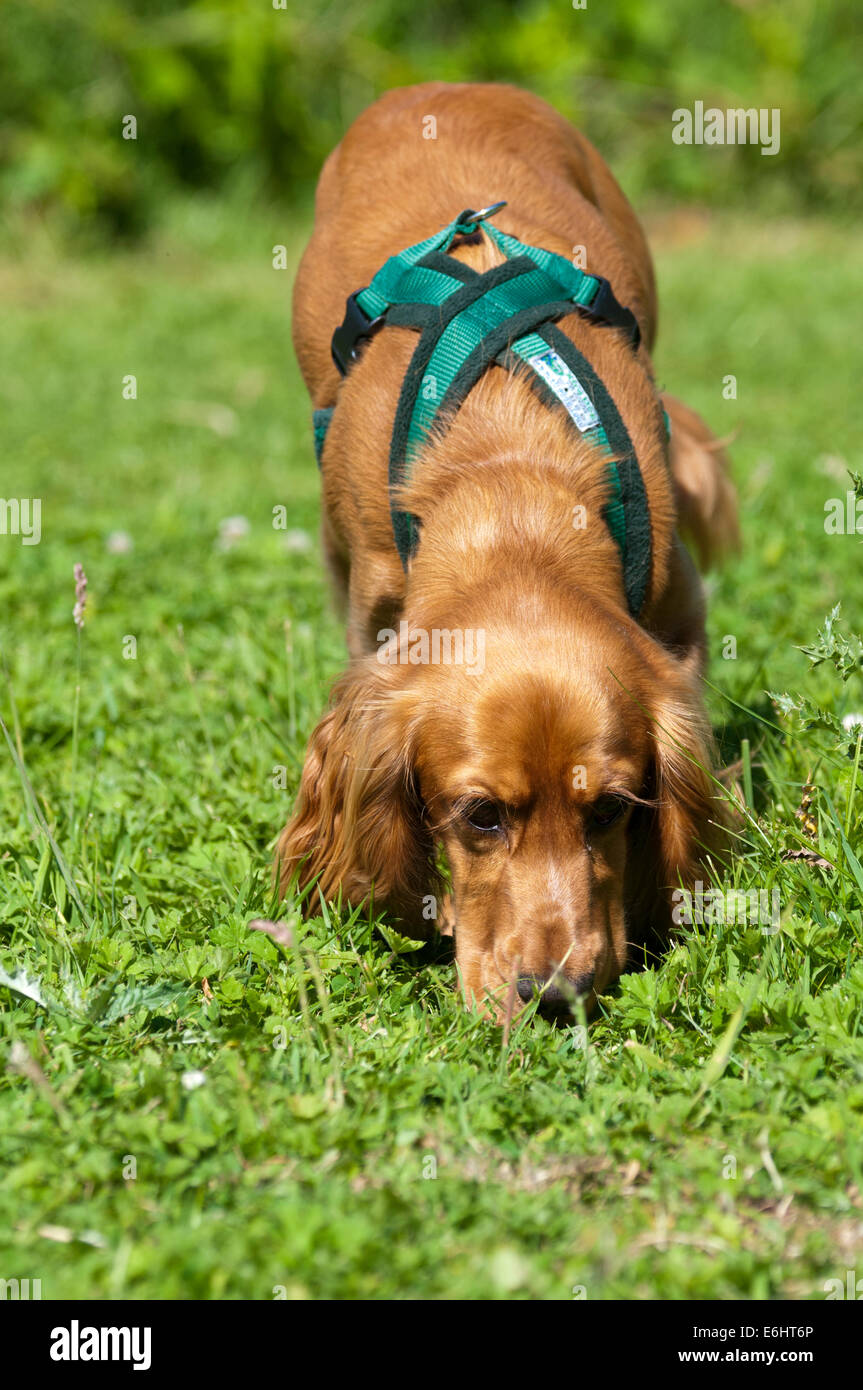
x: 607, y: 307
x: 353, y: 330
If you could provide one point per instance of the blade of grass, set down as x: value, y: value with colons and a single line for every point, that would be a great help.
x: 59, y: 857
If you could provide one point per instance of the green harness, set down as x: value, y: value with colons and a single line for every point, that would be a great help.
x: 467, y: 322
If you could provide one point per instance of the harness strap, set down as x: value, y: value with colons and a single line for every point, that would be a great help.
x: 592, y: 293
x: 320, y: 424
x: 455, y: 349
x: 469, y: 321
x: 593, y: 411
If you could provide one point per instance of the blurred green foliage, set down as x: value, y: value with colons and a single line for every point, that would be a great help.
x: 237, y: 94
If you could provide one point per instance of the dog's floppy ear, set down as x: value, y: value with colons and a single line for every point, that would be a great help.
x: 689, y: 804
x: 705, y: 495
x: 358, y: 825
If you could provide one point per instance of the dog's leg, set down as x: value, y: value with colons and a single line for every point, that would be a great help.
x: 338, y: 566
x: 375, y: 602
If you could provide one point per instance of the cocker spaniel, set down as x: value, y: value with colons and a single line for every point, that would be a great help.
x: 518, y: 752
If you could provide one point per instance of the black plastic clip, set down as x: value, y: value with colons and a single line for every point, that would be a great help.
x: 351, y: 332
x: 606, y: 307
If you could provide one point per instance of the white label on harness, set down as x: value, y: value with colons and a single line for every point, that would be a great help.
x: 567, y: 387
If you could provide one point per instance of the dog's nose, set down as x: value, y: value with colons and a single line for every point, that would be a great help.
x: 557, y: 994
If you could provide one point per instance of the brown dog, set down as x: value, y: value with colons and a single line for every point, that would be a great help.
x: 542, y: 802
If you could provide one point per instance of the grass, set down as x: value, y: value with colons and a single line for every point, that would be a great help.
x: 188, y: 1110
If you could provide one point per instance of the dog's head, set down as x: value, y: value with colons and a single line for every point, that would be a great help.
x: 566, y: 778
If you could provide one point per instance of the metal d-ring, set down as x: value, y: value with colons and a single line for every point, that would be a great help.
x: 484, y: 212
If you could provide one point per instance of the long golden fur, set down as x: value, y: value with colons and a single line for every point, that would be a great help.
x: 584, y: 732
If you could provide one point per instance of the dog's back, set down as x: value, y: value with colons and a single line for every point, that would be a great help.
x: 419, y: 156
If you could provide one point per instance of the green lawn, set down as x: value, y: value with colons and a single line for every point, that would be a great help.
x: 333, y: 1123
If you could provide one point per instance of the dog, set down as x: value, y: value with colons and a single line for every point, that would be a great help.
x: 540, y: 803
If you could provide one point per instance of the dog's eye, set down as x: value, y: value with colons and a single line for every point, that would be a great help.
x: 606, y: 811
x: 483, y: 815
